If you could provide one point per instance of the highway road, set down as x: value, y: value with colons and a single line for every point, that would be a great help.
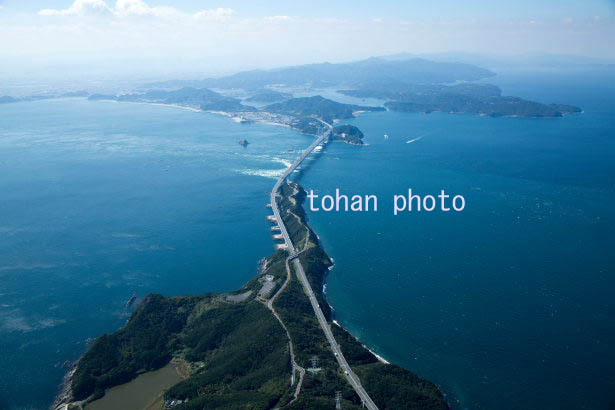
x: 352, y: 378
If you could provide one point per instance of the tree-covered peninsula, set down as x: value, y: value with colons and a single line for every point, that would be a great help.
x: 319, y: 107
x: 482, y: 99
x: 200, y: 98
x: 235, y: 352
x: 348, y: 134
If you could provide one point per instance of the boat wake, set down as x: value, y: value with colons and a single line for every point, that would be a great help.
x: 414, y: 140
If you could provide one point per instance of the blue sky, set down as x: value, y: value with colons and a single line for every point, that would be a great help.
x: 212, y: 36
x: 382, y: 9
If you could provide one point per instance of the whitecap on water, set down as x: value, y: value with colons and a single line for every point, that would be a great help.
x: 267, y: 173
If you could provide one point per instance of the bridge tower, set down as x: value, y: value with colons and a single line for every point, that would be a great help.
x: 314, y: 365
x: 338, y: 400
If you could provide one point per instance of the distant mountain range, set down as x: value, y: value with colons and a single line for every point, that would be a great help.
x: 527, y: 61
x: 372, y: 70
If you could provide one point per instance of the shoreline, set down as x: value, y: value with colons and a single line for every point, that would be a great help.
x: 241, y: 116
x: 380, y: 358
x: 183, y: 107
x: 64, y: 398
x: 233, y: 117
x: 322, y: 290
x: 237, y: 117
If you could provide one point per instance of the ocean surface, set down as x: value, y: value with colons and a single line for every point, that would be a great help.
x: 506, y: 305
x: 509, y: 304
x: 101, y: 199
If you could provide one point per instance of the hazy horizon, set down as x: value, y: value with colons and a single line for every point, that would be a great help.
x: 163, y: 39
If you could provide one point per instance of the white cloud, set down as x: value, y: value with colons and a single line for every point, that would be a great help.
x: 125, y: 8
x: 80, y: 8
x: 134, y: 8
x: 219, y: 14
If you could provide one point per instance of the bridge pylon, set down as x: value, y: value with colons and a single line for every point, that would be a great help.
x: 338, y: 400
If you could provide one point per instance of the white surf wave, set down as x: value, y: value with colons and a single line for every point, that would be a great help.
x: 267, y: 173
x: 282, y: 161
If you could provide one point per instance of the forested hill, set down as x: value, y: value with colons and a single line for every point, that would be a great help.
x: 203, y: 99
x: 317, y: 106
x: 235, y: 353
x: 483, y: 99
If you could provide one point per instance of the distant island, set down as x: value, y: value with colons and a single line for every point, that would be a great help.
x: 407, y: 85
x: 347, y: 133
x: 462, y: 98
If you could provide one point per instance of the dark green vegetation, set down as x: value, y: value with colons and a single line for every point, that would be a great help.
x: 191, y: 97
x: 468, y: 98
x: 244, y: 356
x: 238, y: 352
x: 413, y: 70
x: 269, y: 96
x: 494, y: 107
x: 145, y: 343
x: 308, y: 125
x: 347, y: 133
x: 319, y: 107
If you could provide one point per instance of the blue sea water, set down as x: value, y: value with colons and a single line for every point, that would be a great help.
x: 508, y: 304
x: 99, y: 200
